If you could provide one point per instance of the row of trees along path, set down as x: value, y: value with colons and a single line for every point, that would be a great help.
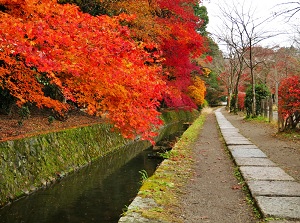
x: 119, y: 59
x: 125, y: 60
x: 247, y: 65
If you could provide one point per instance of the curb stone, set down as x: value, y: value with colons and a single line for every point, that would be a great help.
x: 276, y: 193
x: 283, y: 221
x: 132, y: 214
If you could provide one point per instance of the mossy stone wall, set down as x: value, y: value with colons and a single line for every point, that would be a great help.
x: 29, y: 163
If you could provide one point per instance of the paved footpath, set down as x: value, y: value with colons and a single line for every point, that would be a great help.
x: 276, y: 193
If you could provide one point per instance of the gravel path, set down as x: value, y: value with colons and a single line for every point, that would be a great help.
x: 213, y: 194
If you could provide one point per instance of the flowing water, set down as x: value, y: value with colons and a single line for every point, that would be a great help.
x: 96, y: 193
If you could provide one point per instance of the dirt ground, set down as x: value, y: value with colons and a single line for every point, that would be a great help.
x: 214, y: 194
x: 38, y: 122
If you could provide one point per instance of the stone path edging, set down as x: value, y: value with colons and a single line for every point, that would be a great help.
x: 276, y: 193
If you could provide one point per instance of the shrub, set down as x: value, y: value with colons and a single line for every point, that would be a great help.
x: 261, y: 92
x: 289, y: 102
x: 241, y: 100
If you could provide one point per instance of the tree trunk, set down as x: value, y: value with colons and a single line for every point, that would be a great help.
x: 276, y: 93
x: 236, y: 93
x: 229, y: 99
x: 253, y: 79
x: 270, y: 110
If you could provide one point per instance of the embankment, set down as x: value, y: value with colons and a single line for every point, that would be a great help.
x: 34, y: 162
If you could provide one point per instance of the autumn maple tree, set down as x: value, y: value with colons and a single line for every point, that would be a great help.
x: 181, y: 46
x: 121, y: 65
x: 289, y: 102
x: 170, y: 27
x: 197, y: 91
x: 92, y: 60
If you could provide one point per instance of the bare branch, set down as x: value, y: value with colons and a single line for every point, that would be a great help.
x: 290, y: 12
x: 242, y: 32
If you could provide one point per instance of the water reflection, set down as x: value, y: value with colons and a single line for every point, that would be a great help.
x: 97, y: 193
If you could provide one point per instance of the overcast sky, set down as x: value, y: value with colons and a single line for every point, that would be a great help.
x: 262, y: 9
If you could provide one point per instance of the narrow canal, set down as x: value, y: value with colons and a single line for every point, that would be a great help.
x: 96, y: 193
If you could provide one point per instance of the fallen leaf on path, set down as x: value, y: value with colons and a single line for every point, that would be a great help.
x: 236, y: 187
x: 204, y: 217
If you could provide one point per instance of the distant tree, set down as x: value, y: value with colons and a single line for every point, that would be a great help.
x: 289, y: 102
x: 213, y: 88
x: 197, y: 91
x: 284, y: 62
x: 241, y: 32
x: 241, y: 100
x: 214, y: 83
x: 214, y: 92
x: 261, y: 92
x: 201, y: 12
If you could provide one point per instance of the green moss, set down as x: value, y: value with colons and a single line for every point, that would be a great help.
x: 165, y: 185
x: 179, y: 115
x: 43, y: 158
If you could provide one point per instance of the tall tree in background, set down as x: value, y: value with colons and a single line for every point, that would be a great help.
x: 289, y: 103
x: 242, y: 34
x: 180, y: 45
x: 214, y: 90
x: 283, y: 62
x: 201, y: 12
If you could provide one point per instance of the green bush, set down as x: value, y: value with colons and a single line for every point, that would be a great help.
x: 261, y: 92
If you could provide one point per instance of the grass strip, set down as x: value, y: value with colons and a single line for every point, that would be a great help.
x: 165, y: 186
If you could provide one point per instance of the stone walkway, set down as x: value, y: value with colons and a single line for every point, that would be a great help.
x: 276, y: 193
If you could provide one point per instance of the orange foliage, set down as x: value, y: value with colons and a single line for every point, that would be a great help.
x: 92, y: 60
x: 121, y: 66
x: 197, y: 91
x: 144, y: 27
x: 171, y: 24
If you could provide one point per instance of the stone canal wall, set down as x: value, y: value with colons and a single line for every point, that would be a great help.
x: 34, y: 162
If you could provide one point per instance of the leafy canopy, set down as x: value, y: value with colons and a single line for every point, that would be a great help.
x: 122, y: 65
